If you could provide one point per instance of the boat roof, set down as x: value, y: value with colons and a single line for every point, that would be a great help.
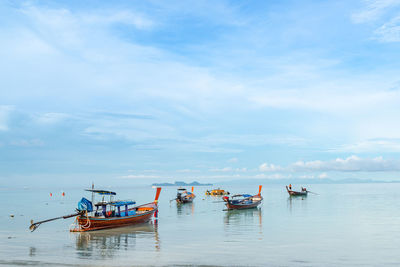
x: 181, y: 189
x: 122, y: 203
x: 242, y: 195
x: 101, y: 192
x: 115, y: 203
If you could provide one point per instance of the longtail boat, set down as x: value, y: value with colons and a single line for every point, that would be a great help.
x: 217, y: 192
x: 292, y: 193
x: 243, y: 201
x: 108, y: 214
x: 183, y: 196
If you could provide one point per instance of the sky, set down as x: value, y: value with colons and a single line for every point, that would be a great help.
x: 136, y: 92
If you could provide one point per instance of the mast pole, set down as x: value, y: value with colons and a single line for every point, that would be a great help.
x: 93, y: 193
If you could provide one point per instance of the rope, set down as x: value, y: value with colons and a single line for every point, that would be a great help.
x: 87, y: 225
x: 76, y: 227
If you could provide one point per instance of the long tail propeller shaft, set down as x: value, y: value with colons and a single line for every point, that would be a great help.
x: 35, y: 225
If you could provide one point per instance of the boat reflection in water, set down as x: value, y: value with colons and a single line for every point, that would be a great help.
x: 187, y: 209
x: 298, y: 203
x: 244, y: 218
x: 108, y: 243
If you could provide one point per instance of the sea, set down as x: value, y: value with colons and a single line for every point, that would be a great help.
x: 338, y: 225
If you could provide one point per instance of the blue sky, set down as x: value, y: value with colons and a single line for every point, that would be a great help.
x: 128, y: 92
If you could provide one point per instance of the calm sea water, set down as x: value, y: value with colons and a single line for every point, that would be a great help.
x: 345, y: 225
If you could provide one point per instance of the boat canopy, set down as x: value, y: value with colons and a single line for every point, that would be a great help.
x: 242, y: 195
x: 102, y: 192
x: 181, y: 189
x: 122, y: 203
x: 85, y: 204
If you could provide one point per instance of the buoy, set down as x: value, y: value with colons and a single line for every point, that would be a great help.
x: 51, y: 194
x: 63, y: 194
x: 12, y: 215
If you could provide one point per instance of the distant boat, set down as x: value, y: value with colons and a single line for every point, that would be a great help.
x: 243, y: 201
x: 292, y: 193
x: 183, y: 196
x: 108, y: 214
x: 217, y: 192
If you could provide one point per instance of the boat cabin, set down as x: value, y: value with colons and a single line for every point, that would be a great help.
x: 111, y: 208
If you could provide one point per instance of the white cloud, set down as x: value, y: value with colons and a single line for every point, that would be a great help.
x: 151, y: 171
x: 56, y: 18
x: 252, y: 139
x: 350, y: 164
x: 4, y: 117
x: 373, y: 10
x: 313, y: 176
x: 271, y: 176
x: 307, y: 176
x: 372, y: 145
x: 139, y: 176
x: 222, y: 176
x: 323, y: 175
x: 225, y: 169
x: 119, y: 16
x: 84, y: 57
x: 27, y: 143
x: 382, y: 10
x: 338, y: 98
x: 50, y: 118
x: 228, y: 169
x: 265, y: 167
x: 389, y: 32
x: 233, y: 160
x: 125, y: 68
x: 187, y: 171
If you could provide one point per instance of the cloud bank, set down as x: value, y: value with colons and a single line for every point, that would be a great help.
x: 349, y: 164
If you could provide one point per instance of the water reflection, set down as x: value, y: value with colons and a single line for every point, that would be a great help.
x: 294, y: 201
x: 243, y: 217
x: 185, y: 209
x: 32, y: 251
x: 107, y: 243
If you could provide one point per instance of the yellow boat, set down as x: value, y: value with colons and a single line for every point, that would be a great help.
x: 217, y: 192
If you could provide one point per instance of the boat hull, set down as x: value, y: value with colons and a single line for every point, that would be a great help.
x: 91, y: 223
x: 183, y: 201
x: 231, y: 206
x: 296, y: 193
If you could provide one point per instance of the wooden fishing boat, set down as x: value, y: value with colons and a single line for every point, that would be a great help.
x: 108, y: 214
x: 243, y: 201
x: 292, y: 193
x: 183, y: 196
x: 217, y: 192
